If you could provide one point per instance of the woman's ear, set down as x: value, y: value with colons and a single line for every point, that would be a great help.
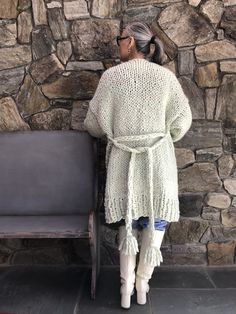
x: 131, y: 43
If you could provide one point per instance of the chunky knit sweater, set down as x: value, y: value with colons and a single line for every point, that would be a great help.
x: 141, y: 109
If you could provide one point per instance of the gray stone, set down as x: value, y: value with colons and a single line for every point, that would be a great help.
x: 57, y: 24
x: 222, y: 233
x: 7, y: 34
x: 201, y: 177
x: 78, y: 115
x: 43, y: 68
x: 30, y: 99
x: 24, y: 5
x: 38, y: 256
x: 146, y: 14
x: 185, y: 62
x: 97, y: 34
x: 206, y: 235
x: 81, y: 251
x: 108, y: 63
x: 228, y: 3
x: 225, y: 108
x: 220, y: 34
x: 202, y: 134
x: 54, y: 4
x: 234, y: 202
x: 106, y: 9
x: 210, y: 213
x: 42, y: 242
x: 219, y: 200
x: 14, y: 57
x: 42, y: 43
x: 64, y: 51
x: 190, y: 204
x: 143, y: 2
x: 194, y: 3
x: 234, y: 174
x: 8, y: 9
x: 213, y: 10
x: 184, y: 254
x: 77, y: 85
x: 210, y: 101
x: 85, y: 65
x: 56, y: 119
x: 228, y: 66
x: 25, y: 26
x: 75, y: 9
x: 229, y: 143
x: 215, y: 50
x: 170, y: 48
x: 10, y: 81
x: 14, y: 244
x: 228, y: 217
x: 208, y: 154
x: 109, y: 236
x: 230, y: 185
x: 5, y: 250
x: 61, y: 103
x: 21, y: 257
x: 207, y: 75
x: 39, y: 12
x: 185, y: 231
x: 171, y: 66
x: 184, y: 157
x: 225, y: 165
x: 221, y: 253
x: 228, y: 22
x: 184, y: 29
x: 10, y: 120
x: 195, y: 97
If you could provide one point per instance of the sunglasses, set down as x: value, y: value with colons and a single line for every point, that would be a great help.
x: 118, y: 38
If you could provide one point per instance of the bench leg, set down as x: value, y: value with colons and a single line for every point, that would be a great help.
x: 94, y: 241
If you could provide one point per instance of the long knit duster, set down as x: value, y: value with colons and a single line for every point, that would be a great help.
x: 141, y: 109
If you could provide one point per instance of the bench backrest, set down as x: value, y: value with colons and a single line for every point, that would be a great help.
x: 47, y: 172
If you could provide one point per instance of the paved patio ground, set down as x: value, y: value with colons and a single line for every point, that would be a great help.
x: 66, y: 290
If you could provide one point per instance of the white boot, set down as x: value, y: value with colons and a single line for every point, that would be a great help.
x: 144, y: 271
x: 127, y: 271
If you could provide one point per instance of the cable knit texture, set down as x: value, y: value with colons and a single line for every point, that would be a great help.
x: 141, y: 109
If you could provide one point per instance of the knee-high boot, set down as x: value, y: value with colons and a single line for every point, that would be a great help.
x: 145, y: 271
x: 127, y: 271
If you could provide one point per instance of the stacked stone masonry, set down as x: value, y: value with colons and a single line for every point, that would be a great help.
x: 52, y: 54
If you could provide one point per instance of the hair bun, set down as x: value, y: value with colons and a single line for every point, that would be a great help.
x: 152, y: 41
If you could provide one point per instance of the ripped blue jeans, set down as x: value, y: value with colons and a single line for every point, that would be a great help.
x: 143, y: 222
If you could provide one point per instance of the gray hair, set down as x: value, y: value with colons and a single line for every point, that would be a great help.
x: 142, y: 35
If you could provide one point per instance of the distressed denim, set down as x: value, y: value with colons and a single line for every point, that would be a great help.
x: 143, y: 222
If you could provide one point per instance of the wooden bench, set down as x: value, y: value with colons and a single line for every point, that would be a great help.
x: 48, y: 188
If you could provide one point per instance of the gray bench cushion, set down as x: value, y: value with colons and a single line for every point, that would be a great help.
x: 44, y: 226
x: 46, y: 172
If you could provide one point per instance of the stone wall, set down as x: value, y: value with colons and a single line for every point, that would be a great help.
x: 52, y: 54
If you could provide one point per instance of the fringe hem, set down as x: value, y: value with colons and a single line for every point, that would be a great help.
x: 164, y: 208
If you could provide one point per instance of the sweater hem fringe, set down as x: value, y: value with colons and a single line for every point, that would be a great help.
x: 164, y: 208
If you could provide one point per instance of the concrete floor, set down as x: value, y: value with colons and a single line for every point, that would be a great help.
x: 66, y: 290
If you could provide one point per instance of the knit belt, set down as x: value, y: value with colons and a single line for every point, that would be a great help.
x: 131, y: 247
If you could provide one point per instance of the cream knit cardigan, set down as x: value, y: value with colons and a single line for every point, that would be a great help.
x: 141, y: 109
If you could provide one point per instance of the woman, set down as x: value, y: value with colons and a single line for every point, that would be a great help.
x: 141, y: 108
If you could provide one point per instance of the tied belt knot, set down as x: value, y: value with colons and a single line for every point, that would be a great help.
x: 161, y: 137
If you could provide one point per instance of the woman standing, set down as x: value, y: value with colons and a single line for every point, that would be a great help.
x: 141, y: 108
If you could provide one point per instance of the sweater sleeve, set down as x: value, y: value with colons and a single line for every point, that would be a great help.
x: 91, y: 124
x: 95, y: 120
x: 178, y: 113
